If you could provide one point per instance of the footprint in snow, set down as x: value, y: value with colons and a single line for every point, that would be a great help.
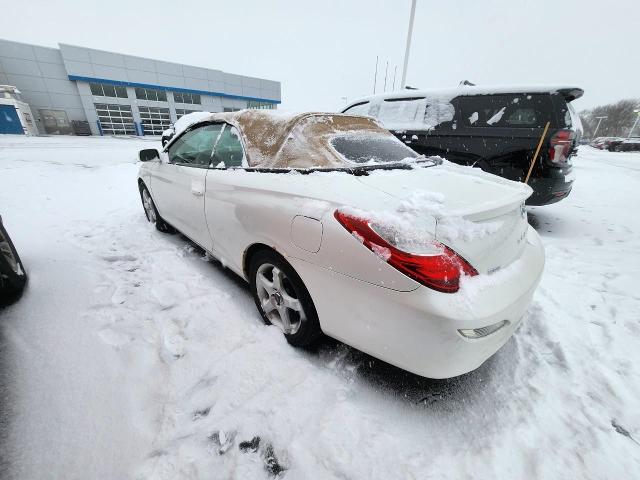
x: 271, y: 463
x: 113, y: 338
x: 119, y: 258
x: 269, y: 458
x: 120, y: 295
x: 198, y: 414
x: 169, y: 294
x: 250, y: 445
x: 172, y: 348
x: 222, y: 441
x: 623, y: 431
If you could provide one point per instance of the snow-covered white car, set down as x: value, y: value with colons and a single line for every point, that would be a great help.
x: 341, y: 228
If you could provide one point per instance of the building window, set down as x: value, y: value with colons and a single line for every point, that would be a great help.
x: 230, y: 109
x: 115, y: 119
x: 181, y: 112
x: 151, y: 94
x: 260, y: 105
x: 154, y: 120
x: 181, y: 97
x: 106, y: 90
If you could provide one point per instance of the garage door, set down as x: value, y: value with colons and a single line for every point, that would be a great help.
x: 115, y: 119
x: 9, y: 121
x: 154, y: 120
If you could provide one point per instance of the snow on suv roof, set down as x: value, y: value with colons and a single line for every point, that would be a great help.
x: 570, y: 92
x: 284, y: 140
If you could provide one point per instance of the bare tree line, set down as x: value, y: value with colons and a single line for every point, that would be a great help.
x: 620, y: 119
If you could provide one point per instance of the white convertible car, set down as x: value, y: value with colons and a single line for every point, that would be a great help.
x: 341, y: 229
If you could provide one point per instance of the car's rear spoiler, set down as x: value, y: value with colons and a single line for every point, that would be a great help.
x: 570, y: 94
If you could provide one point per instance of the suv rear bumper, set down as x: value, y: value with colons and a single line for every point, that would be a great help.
x: 553, y: 187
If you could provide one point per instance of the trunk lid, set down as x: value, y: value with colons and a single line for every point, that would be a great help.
x: 480, y: 216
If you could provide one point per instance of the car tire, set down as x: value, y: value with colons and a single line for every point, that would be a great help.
x: 151, y: 212
x: 282, y: 299
x: 13, y: 276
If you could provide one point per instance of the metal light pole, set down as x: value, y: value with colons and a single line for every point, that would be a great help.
x: 637, y: 112
x: 408, y: 47
x: 386, y: 69
x: 598, y: 126
x: 375, y: 76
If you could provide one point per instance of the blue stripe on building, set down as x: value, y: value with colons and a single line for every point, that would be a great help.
x: 170, y: 89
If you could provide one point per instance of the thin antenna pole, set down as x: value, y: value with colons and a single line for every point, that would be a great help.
x: 375, y: 76
x: 386, y: 69
x: 406, y: 51
x: 395, y: 69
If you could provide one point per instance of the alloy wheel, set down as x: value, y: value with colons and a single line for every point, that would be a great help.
x: 278, y: 299
x: 147, y: 203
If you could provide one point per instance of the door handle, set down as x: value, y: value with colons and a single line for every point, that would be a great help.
x: 197, y: 193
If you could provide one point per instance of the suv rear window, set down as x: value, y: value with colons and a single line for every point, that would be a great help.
x: 507, y: 111
x: 371, y: 148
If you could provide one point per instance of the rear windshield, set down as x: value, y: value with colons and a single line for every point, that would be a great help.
x: 371, y: 149
x: 510, y: 111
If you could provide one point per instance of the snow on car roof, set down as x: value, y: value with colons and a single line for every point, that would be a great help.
x: 572, y: 91
x: 284, y: 140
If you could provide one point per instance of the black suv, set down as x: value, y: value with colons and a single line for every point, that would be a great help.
x: 496, y: 129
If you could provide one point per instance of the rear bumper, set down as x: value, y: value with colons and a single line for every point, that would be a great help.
x: 551, y: 188
x: 418, y: 330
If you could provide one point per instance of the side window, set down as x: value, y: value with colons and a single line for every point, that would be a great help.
x: 438, y: 111
x: 194, y: 147
x: 522, y: 117
x: 228, y: 151
x: 512, y: 111
x: 395, y: 112
x: 358, y: 109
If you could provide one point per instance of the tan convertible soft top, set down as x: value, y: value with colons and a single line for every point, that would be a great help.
x: 277, y: 140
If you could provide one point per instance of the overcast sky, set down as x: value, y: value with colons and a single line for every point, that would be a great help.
x: 325, y: 50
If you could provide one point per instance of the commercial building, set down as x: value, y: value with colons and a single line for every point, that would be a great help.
x: 77, y: 90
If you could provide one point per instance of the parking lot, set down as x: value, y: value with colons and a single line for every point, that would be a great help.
x: 133, y: 352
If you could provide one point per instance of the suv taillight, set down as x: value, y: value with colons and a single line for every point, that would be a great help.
x: 440, y: 271
x: 560, y: 145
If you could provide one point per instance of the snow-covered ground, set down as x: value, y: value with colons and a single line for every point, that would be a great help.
x: 133, y: 355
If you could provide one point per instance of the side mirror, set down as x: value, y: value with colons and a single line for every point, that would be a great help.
x: 148, y: 155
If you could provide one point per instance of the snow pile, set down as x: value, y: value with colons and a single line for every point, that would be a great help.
x: 415, y: 223
x: 450, y: 227
x: 311, y: 208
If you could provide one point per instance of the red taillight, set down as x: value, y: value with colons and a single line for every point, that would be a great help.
x: 439, y: 272
x: 560, y: 145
